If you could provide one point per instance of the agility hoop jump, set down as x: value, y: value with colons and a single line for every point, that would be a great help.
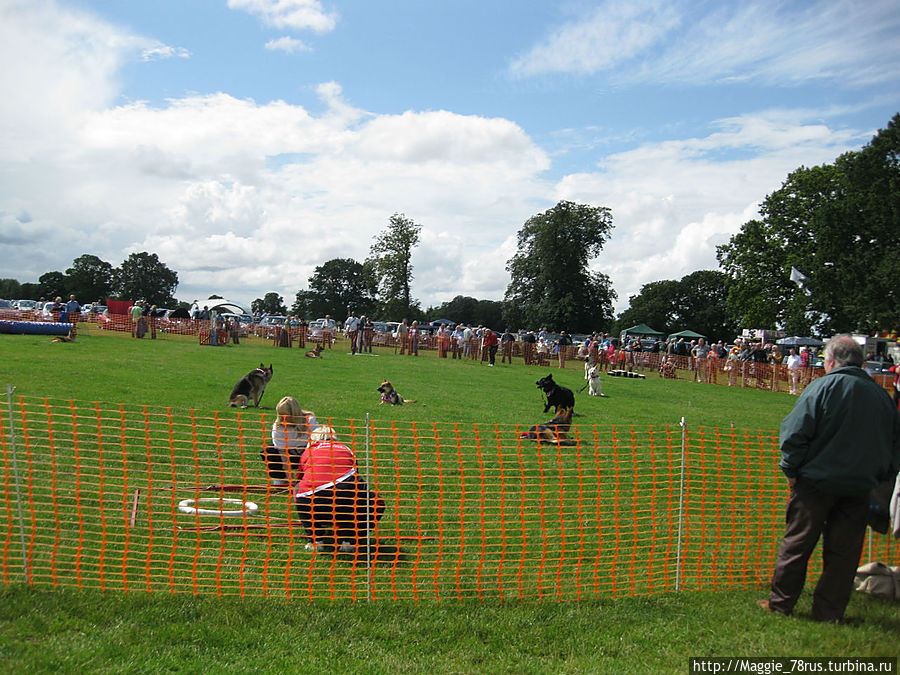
x: 193, y: 506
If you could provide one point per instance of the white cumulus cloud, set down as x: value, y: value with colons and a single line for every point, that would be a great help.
x: 295, y: 14
x: 287, y: 44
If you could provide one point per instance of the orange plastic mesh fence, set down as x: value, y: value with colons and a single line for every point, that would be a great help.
x: 92, y: 495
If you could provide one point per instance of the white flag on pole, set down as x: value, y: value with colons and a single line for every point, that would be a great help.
x: 798, y: 277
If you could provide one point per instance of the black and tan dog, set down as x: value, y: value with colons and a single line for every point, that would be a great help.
x: 390, y: 395
x: 251, y: 387
x: 557, y: 396
x: 315, y: 353
x: 555, y: 431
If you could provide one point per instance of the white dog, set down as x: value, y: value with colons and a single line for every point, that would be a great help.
x: 595, y: 384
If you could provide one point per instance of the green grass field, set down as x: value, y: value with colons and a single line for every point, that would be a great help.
x: 68, y: 630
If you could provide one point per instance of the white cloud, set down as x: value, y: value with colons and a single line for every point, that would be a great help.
x: 67, y: 63
x: 769, y: 42
x: 608, y: 35
x: 161, y: 51
x: 296, y: 14
x: 287, y: 44
x: 243, y: 197
x: 674, y: 202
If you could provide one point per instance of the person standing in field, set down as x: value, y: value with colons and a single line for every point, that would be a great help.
x: 403, y: 336
x: 841, y: 439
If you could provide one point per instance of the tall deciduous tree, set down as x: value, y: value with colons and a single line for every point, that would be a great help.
x: 11, y: 289
x: 463, y: 309
x: 701, y: 306
x: 336, y: 287
x: 551, y: 284
x: 142, y: 276
x: 695, y: 302
x: 391, y: 263
x: 271, y: 303
x: 839, y: 225
x: 656, y: 305
x: 90, y: 278
x: 53, y: 284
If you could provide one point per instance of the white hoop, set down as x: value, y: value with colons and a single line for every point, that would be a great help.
x: 187, y: 506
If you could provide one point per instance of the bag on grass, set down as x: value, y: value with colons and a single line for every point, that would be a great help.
x: 878, y: 579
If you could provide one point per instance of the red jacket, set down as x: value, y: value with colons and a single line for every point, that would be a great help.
x: 322, y: 465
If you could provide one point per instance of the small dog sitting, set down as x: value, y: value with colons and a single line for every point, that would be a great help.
x: 251, y: 386
x: 595, y: 384
x: 315, y: 353
x: 667, y: 370
x: 390, y: 395
x: 555, y: 431
x: 557, y: 396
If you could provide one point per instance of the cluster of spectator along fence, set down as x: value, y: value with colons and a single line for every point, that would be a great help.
x: 101, y: 496
x: 721, y: 371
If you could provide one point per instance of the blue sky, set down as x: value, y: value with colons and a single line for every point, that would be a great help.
x: 247, y: 141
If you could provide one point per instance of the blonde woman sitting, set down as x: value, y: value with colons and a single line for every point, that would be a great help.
x: 290, y: 437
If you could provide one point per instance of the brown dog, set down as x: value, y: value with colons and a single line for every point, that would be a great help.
x: 251, y: 386
x: 555, y: 431
x: 315, y: 353
x: 390, y: 395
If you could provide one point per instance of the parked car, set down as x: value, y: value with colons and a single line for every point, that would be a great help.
x: 877, y: 367
x: 26, y: 305
x: 267, y: 325
x: 243, y: 322
x: 272, y: 320
x: 242, y: 318
x: 318, y: 327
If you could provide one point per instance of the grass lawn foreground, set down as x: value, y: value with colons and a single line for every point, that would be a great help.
x: 68, y: 630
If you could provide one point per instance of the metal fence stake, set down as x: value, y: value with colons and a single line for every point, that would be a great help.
x: 12, y: 433
x: 680, y: 506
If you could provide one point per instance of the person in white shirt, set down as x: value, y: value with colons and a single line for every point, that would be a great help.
x: 794, y: 363
x: 351, y: 328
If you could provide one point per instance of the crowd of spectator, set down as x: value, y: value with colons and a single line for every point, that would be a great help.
x: 743, y: 362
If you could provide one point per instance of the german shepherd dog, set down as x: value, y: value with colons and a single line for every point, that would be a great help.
x: 557, y: 396
x: 315, y: 353
x: 390, y: 395
x: 555, y: 431
x: 250, y: 386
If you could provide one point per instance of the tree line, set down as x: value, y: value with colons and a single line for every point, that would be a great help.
x: 823, y: 257
x: 140, y: 276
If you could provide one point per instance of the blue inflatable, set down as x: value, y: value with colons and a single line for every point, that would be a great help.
x: 35, y: 328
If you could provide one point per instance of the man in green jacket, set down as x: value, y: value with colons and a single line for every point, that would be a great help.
x: 841, y: 439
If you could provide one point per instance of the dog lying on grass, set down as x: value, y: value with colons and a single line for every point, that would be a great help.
x: 555, y: 431
x: 251, y: 386
x: 315, y: 353
x: 557, y: 396
x: 390, y: 395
